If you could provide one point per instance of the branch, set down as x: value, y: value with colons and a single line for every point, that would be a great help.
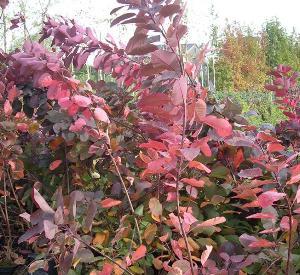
x: 100, y: 253
x: 126, y: 193
x: 7, y: 219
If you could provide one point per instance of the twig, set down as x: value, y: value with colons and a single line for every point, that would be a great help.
x: 7, y: 219
x: 4, y: 31
x: 67, y: 169
x: 13, y: 190
x: 126, y: 193
x: 178, y: 194
x: 124, y: 187
x: 269, y: 267
x: 290, y: 215
x: 100, y: 253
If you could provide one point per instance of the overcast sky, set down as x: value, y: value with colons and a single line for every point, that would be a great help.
x: 95, y: 13
x: 247, y: 12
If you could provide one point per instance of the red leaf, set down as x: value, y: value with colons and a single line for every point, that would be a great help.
x: 200, y: 166
x: 121, y: 18
x: 78, y: 125
x: 82, y: 101
x: 3, y: 3
x: 165, y: 60
x: 250, y: 173
x: 261, y: 243
x: 154, y: 145
x: 55, y: 164
x: 274, y: 147
x: 203, y: 145
x: 153, y: 102
x: 190, y: 153
x: 200, y: 110
x: 101, y: 115
x: 263, y: 136
x: 238, y: 158
x: 298, y: 195
x: 73, y: 109
x: 2, y: 87
x: 169, y: 10
x: 285, y: 223
x: 12, y: 93
x: 7, y: 108
x: 189, y: 218
x: 41, y: 202
x: 31, y: 232
x: 137, y: 45
x: 262, y: 216
x: 270, y: 231
x: 176, y: 249
x: 205, y: 254
x: 139, y: 253
x: 221, y: 125
x: 115, y: 10
x: 269, y: 197
x: 193, y: 182
x: 50, y: 229
x: 81, y: 59
x: 295, y: 174
x: 106, y: 270
x: 108, y: 203
x: 179, y: 91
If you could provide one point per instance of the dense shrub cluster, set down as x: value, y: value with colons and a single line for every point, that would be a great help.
x: 147, y: 174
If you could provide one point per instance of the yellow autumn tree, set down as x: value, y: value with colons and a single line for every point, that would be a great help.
x: 241, y: 63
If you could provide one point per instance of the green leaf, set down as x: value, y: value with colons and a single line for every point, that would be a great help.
x: 139, y: 210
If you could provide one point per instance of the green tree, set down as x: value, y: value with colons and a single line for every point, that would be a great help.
x: 280, y: 46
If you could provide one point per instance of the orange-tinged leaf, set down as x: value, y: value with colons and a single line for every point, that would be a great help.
x: 139, y: 253
x: 101, y: 238
x: 212, y: 222
x: 193, y: 182
x: 150, y: 233
x: 158, y: 264
x: 117, y: 269
x: 200, y: 166
x: 55, y: 164
x: 239, y: 158
x: 261, y: 243
x: 106, y: 270
x: 155, y: 207
x: 107, y: 203
x: 53, y: 144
